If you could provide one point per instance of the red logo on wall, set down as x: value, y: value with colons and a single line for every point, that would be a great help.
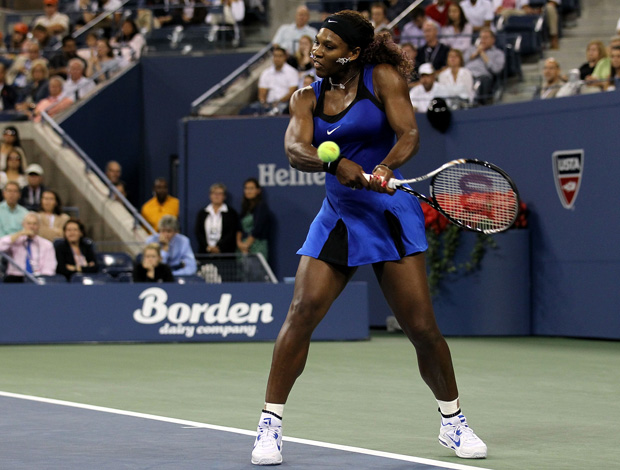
x: 567, y: 171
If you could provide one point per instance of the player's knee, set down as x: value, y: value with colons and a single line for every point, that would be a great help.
x: 304, y: 313
x: 423, y: 333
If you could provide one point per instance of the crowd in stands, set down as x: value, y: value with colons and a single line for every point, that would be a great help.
x: 43, y: 241
x: 43, y: 67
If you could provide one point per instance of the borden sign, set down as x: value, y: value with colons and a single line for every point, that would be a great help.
x: 567, y: 171
x: 221, y: 318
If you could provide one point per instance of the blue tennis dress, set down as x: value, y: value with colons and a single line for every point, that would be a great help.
x: 358, y: 227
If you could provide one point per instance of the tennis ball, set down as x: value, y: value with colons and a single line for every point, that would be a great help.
x: 328, y: 151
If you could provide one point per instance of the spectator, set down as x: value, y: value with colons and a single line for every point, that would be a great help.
x: 46, y: 41
x: 55, y: 103
x: 507, y: 8
x: 11, y: 213
x: 378, y: 17
x: 103, y: 64
x: 217, y: 224
x: 160, y: 204
x: 14, y: 168
x: 412, y: 31
x: 17, y: 74
x: 130, y: 41
x: 432, y: 52
x: 233, y: 13
x: 438, y: 11
x: 479, y: 13
x: 288, y: 35
x: 7, y: 92
x: 456, y: 79
x: 32, y: 253
x: 10, y: 140
x: 162, y: 13
x: 410, y: 51
x: 51, y: 217
x: 114, y: 171
x: 37, y: 87
x: 614, y: 77
x: 307, y: 80
x: 15, y: 41
x: 176, y: 250
x: 552, y: 19
x: 552, y: 79
x: 75, y: 253
x: 77, y: 85
x: 422, y: 94
x: 150, y: 268
x: 458, y: 33
x: 255, y: 220
x: 275, y: 86
x: 301, y: 60
x: 31, y: 193
x: 59, y: 64
x: 485, y: 62
x: 594, y: 52
x: 602, y: 70
x: 90, y: 47
x: 55, y: 22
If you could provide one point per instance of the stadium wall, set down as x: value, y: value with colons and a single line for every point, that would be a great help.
x: 574, y: 255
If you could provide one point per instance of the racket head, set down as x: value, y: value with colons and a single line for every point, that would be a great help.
x: 476, y: 195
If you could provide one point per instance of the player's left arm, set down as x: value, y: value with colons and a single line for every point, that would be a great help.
x: 392, y: 90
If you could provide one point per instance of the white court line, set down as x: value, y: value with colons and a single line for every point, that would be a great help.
x: 195, y: 424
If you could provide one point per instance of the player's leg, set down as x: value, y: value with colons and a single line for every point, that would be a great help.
x: 317, y: 285
x: 405, y: 287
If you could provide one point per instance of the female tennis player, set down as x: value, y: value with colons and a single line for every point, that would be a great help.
x: 362, y: 103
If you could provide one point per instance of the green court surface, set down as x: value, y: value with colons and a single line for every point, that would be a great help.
x: 539, y: 403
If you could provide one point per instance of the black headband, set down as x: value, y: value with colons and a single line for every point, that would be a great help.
x: 353, y: 34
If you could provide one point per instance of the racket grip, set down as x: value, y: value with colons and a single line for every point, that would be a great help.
x: 391, y: 183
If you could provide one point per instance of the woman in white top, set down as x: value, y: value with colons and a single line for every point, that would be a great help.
x: 130, y: 41
x: 105, y: 64
x: 456, y: 79
x: 458, y: 32
x: 14, y: 168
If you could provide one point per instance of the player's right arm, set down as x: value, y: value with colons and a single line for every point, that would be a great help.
x: 299, y: 134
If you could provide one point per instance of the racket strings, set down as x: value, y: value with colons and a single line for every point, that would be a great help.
x: 479, y: 196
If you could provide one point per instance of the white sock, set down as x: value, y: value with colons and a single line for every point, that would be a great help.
x: 448, y: 408
x: 276, y: 409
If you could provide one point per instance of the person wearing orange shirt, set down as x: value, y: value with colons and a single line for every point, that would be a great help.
x: 160, y: 204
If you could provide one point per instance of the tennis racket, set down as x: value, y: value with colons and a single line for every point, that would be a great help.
x: 473, y: 194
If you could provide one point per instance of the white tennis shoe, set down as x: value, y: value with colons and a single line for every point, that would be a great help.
x: 455, y: 434
x: 268, y: 444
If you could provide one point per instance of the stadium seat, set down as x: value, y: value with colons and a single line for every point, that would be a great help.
x: 511, y: 45
x: 529, y: 27
x: 190, y: 279
x: 125, y: 277
x: 92, y: 279
x: 114, y: 263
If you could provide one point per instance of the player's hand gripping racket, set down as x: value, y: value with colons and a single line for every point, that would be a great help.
x: 472, y: 194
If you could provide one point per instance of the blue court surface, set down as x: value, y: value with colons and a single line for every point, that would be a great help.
x: 40, y: 433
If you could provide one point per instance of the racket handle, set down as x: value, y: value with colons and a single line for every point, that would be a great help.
x: 391, y: 183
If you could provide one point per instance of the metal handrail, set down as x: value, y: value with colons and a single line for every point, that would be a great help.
x: 211, y: 92
x: 402, y: 14
x: 27, y: 275
x: 95, y: 21
x: 91, y: 165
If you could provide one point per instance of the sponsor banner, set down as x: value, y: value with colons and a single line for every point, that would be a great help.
x: 567, y: 171
x: 167, y: 313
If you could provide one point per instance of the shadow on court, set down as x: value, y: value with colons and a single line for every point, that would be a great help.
x: 37, y: 435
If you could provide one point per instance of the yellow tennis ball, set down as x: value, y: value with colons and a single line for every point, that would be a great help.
x: 328, y: 151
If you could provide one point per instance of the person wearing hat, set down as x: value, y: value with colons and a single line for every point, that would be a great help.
x: 422, y: 94
x: 56, y: 23
x: 15, y: 41
x: 31, y: 193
